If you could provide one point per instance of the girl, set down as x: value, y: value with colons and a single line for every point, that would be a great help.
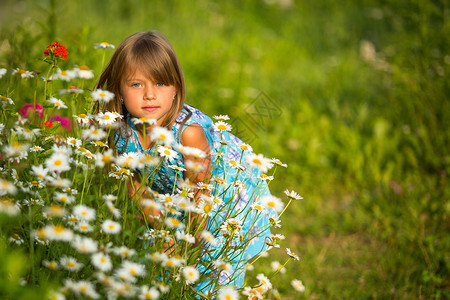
x: 146, y: 78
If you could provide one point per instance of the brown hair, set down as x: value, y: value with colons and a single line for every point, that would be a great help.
x: 153, y: 53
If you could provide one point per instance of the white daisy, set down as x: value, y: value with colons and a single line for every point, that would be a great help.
x: 221, y: 117
x: 106, y: 157
x: 111, y: 227
x: 129, y: 160
x: 222, y: 126
x: 84, y: 72
x: 57, y: 233
x: 143, y: 120
x: 93, y: 134
x: 103, y: 45
x: 57, y: 162
x: 252, y: 293
x: 292, y: 195
x: 28, y: 133
x: 64, y: 198
x: 52, y: 264
x: 298, y: 285
x: 292, y: 254
x: 83, y: 119
x: 84, y: 212
x: 278, y: 162
x: 4, y: 101
x: 194, y: 166
x: 132, y: 268
x: 58, y: 103
x: 167, y: 152
x: 174, y: 223
x: 171, y: 262
x: 259, y: 161
x: 102, y: 96
x: 162, y: 136
x: 191, y: 274
x: 106, y: 118
x: 124, y: 252
x: 74, y: 142
x: 272, y: 202
x: 24, y: 74
x: 85, y: 288
x: 65, y: 75
x: 3, y: 72
x: 228, y: 293
x: 182, y: 236
x: 102, y: 262
x: 99, y: 144
x: 7, y: 187
x: 84, y: 244
x: 36, y: 149
x: 263, y: 280
x: 208, y: 237
x: 147, y: 293
x: 246, y: 147
x: 276, y: 266
x: 8, y: 206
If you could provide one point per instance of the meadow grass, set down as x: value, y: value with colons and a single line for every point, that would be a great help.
x: 358, y: 93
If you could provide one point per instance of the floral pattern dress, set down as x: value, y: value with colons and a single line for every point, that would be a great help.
x: 225, y: 156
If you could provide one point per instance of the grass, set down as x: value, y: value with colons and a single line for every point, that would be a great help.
x: 367, y: 141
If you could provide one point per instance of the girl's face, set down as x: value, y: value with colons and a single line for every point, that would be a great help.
x: 144, y: 98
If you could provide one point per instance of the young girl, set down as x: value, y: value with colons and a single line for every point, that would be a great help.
x: 146, y: 78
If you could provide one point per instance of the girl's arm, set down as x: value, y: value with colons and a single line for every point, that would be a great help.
x: 193, y: 136
x: 138, y: 193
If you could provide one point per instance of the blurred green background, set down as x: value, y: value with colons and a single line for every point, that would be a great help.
x: 352, y: 95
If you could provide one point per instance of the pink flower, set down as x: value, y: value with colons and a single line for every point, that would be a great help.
x: 25, y: 109
x: 65, y: 122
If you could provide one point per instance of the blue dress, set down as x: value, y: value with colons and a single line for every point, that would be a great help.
x: 255, y: 224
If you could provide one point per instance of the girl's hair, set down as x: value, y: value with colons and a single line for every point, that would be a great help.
x: 152, y: 53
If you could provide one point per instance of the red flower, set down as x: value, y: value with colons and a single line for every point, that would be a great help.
x: 56, y: 49
x: 48, y: 124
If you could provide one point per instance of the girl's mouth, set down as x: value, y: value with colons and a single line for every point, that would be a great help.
x: 150, y: 108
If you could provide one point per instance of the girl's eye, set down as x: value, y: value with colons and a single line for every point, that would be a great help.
x: 136, y: 85
x: 160, y: 84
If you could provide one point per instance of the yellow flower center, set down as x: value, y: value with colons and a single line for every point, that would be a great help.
x: 102, y: 94
x: 59, y: 229
x: 207, y: 208
x: 84, y: 68
x: 82, y: 116
x: 256, y: 161
x: 166, y: 152
x: 170, y: 263
x: 70, y: 264
x: 221, y: 127
x: 64, y: 73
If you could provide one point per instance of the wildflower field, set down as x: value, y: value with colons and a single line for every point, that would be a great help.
x: 352, y: 96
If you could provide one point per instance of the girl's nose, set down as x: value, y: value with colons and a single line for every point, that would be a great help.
x: 150, y: 93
